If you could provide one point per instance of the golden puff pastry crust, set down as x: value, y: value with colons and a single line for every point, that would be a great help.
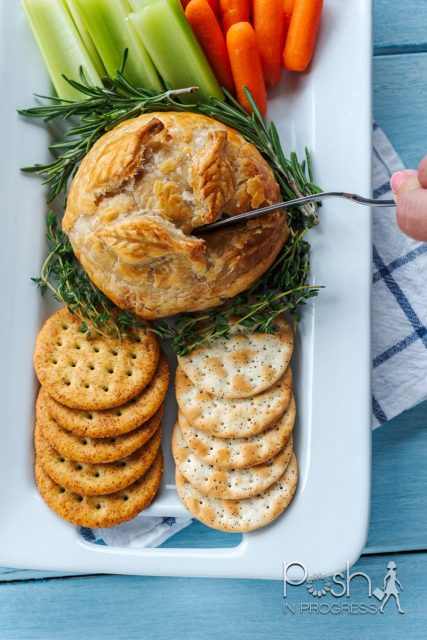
x: 142, y: 190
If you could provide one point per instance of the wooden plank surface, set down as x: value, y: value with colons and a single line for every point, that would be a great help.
x: 140, y: 608
x: 399, y: 484
x: 400, y: 26
x: 400, y: 101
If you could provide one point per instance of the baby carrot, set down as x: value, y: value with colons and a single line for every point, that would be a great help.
x: 208, y: 32
x: 268, y: 25
x: 214, y: 5
x: 246, y: 65
x: 288, y: 7
x: 233, y: 11
x: 301, y: 38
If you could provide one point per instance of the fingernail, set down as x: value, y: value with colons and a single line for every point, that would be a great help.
x: 398, y: 178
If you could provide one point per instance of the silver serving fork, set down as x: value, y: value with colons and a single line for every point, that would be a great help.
x: 225, y: 222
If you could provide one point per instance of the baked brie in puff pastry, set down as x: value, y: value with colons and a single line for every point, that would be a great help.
x: 142, y: 190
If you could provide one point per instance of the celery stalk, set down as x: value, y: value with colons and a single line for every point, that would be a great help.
x: 84, y: 35
x: 60, y: 45
x: 136, y: 4
x: 107, y: 24
x: 174, y: 49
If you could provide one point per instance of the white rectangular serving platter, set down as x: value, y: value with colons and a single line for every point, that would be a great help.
x: 329, y: 110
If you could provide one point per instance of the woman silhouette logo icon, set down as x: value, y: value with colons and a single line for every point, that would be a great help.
x: 391, y: 588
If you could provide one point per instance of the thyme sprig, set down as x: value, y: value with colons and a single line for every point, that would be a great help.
x: 282, y: 289
x: 64, y: 277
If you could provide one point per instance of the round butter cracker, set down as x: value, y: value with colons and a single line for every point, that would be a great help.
x: 231, y: 453
x: 232, y: 417
x: 240, y: 516
x: 100, y: 511
x: 242, y: 365
x: 117, y: 421
x: 227, y: 483
x: 95, y: 479
x: 99, y: 372
x: 93, y: 450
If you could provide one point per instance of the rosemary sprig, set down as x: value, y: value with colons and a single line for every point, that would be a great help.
x: 104, y: 108
x: 282, y: 289
x: 118, y: 100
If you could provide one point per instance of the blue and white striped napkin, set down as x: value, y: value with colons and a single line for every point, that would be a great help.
x: 142, y: 531
x: 399, y: 338
x: 399, y: 302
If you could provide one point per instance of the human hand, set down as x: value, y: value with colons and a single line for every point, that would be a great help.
x: 410, y: 191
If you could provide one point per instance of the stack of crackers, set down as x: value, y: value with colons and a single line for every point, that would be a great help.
x: 232, y: 444
x: 98, y: 421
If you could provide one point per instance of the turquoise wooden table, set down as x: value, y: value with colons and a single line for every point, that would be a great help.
x: 52, y: 606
